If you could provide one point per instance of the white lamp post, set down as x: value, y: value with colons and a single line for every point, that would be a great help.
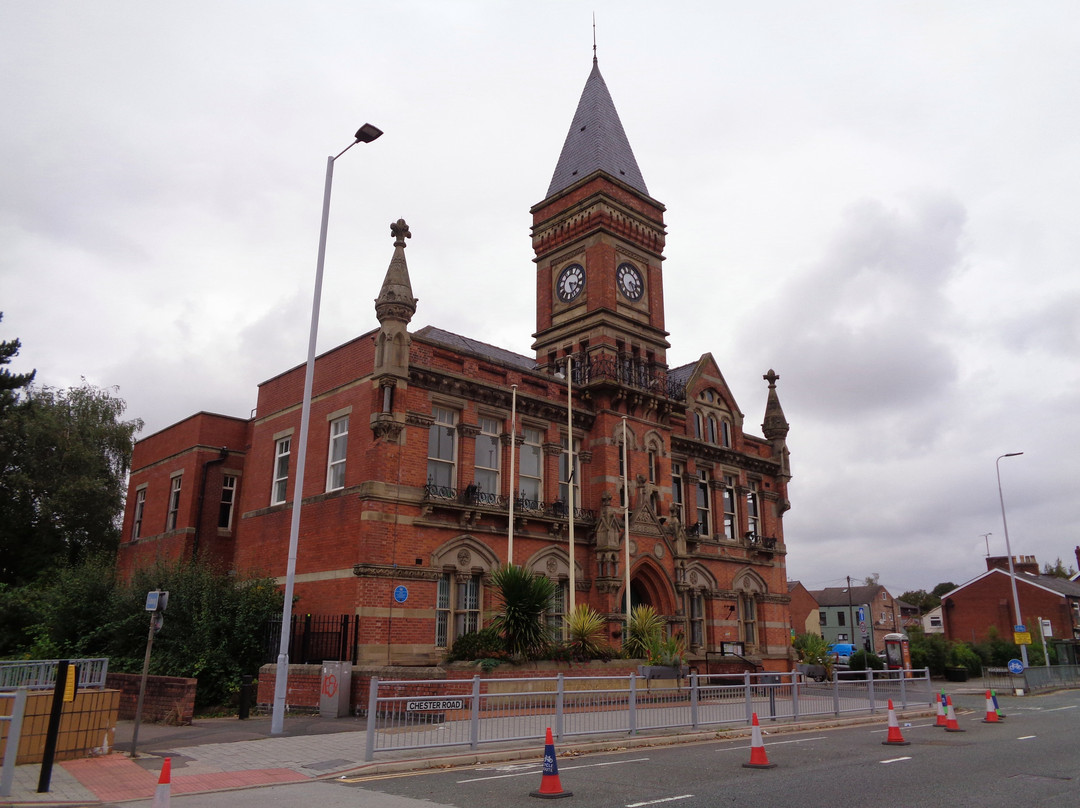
x: 1008, y: 549
x: 365, y: 134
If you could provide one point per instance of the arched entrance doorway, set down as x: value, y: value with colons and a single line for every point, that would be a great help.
x: 649, y: 586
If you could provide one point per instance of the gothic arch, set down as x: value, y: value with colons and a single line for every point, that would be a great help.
x: 553, y: 562
x: 631, y: 437
x: 746, y: 580
x: 465, y: 553
x: 653, y: 583
x: 698, y: 577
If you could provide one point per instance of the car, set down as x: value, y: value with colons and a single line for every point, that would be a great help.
x: 841, y: 652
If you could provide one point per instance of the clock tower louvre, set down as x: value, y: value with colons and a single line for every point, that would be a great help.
x: 599, y: 237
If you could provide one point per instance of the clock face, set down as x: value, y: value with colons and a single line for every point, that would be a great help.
x: 571, y: 282
x: 629, y: 280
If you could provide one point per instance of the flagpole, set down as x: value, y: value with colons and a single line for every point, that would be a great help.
x: 570, y: 472
x: 626, y: 521
x: 513, y: 440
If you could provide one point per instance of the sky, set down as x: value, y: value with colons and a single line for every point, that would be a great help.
x: 877, y: 200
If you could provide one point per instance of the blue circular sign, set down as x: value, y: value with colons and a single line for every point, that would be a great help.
x: 1016, y: 666
x: 401, y: 594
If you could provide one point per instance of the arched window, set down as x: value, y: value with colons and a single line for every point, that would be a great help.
x: 725, y: 433
x: 698, y: 430
x: 713, y: 432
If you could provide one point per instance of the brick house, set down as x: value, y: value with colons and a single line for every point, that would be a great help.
x: 428, y: 451
x: 805, y: 615
x: 970, y: 610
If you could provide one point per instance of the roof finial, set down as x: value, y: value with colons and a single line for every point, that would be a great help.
x: 594, y: 37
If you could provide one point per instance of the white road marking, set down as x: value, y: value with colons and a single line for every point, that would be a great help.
x: 1026, y: 737
x: 654, y: 802
x: 894, y: 760
x: 1057, y: 709
x: 561, y: 769
x: 772, y: 743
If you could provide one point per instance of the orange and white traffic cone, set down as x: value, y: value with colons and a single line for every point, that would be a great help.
x: 758, y: 758
x: 942, y: 721
x: 550, y: 787
x: 895, y: 737
x: 952, y: 726
x: 991, y: 711
x: 164, y: 783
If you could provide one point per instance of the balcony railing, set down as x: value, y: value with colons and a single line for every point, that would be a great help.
x: 473, y: 495
x: 759, y: 542
x: 628, y: 370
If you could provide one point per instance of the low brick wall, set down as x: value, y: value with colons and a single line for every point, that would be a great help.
x: 168, y: 699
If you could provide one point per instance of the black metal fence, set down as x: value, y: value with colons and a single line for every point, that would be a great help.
x: 314, y: 638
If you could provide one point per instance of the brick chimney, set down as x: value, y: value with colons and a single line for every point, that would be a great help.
x: 1020, y: 563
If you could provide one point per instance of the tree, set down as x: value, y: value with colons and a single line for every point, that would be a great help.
x: 11, y: 383
x: 1058, y: 569
x: 64, y: 458
x: 521, y: 619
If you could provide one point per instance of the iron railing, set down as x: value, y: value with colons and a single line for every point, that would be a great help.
x: 314, y: 639
x: 472, y: 495
x: 629, y: 370
x: 442, y: 712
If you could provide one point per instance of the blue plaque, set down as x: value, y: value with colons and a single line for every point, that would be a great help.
x: 401, y: 594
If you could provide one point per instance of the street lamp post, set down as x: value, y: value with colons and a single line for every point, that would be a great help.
x: 365, y: 134
x: 1008, y: 549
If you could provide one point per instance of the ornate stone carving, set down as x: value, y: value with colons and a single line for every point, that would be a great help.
x: 463, y: 557
x: 390, y: 571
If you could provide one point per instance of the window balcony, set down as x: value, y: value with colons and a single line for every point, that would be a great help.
x: 626, y: 370
x: 473, y: 497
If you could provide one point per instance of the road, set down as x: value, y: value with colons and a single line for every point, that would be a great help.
x: 1030, y: 759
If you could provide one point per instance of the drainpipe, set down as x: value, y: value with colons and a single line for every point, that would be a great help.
x: 223, y: 453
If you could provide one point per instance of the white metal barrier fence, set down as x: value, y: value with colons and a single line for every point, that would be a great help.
x: 40, y: 674
x: 418, y: 714
x: 14, y: 734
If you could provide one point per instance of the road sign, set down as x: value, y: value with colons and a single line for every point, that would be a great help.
x: 421, y: 705
x: 1016, y: 666
x: 1020, y: 629
x: 1022, y: 637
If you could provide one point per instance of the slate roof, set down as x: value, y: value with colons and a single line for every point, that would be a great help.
x: 681, y: 375
x: 596, y: 141
x: 1060, y: 586
x: 482, y: 349
x: 838, y: 595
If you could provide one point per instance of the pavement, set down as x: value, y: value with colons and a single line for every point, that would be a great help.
x: 219, y: 754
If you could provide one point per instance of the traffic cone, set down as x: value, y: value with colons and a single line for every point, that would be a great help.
x: 895, y: 738
x: 942, y: 721
x: 758, y: 758
x: 952, y: 726
x: 550, y: 787
x: 991, y: 712
x: 161, y: 793
x: 997, y: 709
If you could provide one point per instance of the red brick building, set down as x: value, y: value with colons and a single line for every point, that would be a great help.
x: 429, y: 450
x: 969, y: 611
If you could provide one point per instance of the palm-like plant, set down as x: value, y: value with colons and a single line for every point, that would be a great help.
x: 645, y: 630
x: 526, y: 599
x: 584, y: 632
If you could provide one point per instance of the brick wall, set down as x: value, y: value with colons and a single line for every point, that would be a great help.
x: 167, y: 698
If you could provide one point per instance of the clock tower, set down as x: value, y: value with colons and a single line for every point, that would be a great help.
x: 599, y: 238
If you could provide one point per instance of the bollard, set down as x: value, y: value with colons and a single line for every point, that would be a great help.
x: 244, y: 709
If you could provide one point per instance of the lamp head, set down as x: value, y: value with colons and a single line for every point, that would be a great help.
x: 367, y: 133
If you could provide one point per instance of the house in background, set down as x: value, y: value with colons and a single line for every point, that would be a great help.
x: 932, y: 622
x: 861, y: 615
x: 970, y: 611
x: 804, y: 610
x: 430, y: 454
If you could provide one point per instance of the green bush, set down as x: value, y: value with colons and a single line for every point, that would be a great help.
x: 644, y: 631
x: 486, y: 643
x: 862, y: 660
x: 213, y: 629
x: 522, y: 616
x: 962, y: 655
